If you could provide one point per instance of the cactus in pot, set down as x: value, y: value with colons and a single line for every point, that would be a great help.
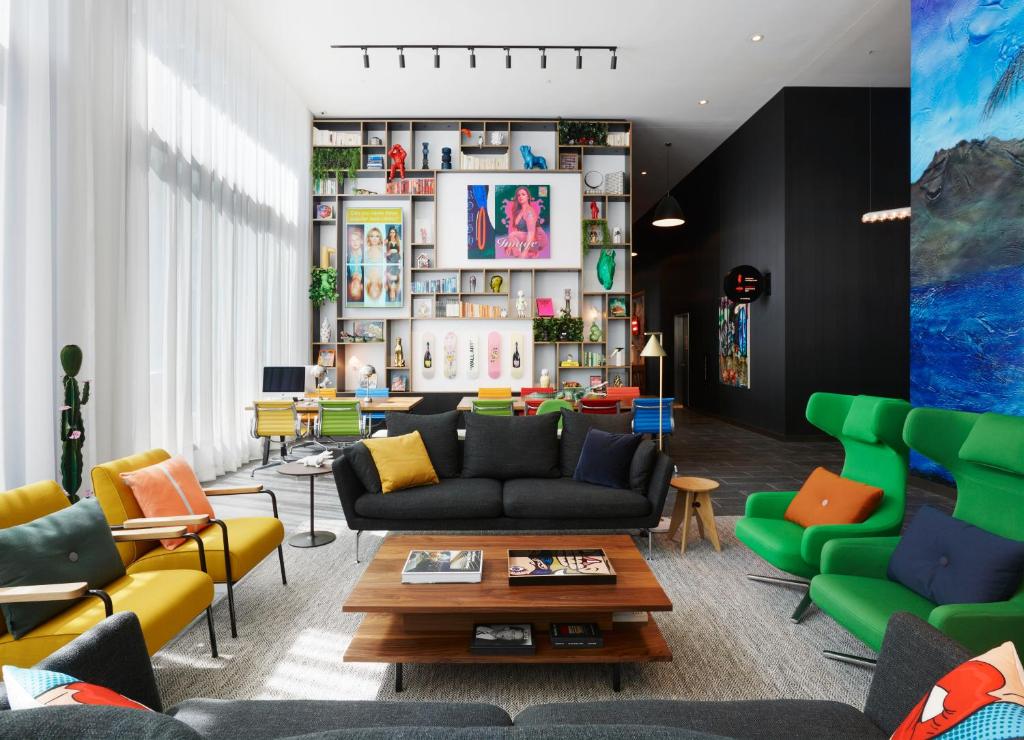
x: 72, y: 428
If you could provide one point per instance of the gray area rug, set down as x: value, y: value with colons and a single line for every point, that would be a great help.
x: 731, y: 638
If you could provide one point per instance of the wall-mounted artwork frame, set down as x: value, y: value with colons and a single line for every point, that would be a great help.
x: 733, y: 343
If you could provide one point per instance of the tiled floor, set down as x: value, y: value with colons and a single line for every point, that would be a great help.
x: 745, y: 461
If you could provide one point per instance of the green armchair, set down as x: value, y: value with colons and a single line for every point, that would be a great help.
x: 985, y: 455
x: 871, y: 432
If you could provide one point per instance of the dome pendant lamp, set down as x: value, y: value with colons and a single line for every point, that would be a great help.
x: 668, y: 212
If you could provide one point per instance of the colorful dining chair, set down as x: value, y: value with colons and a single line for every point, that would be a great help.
x: 372, y: 416
x: 494, y: 393
x: 339, y: 417
x: 274, y: 419
x: 492, y: 406
x: 594, y: 405
x: 646, y: 413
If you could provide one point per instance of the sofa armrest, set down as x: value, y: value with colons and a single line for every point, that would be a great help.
x: 149, y: 533
x: 867, y: 557
x: 982, y: 626
x: 233, y: 490
x: 768, y: 504
x: 183, y: 520
x: 818, y: 535
x: 914, y: 656
x: 43, y: 592
x: 657, y: 486
x: 349, y: 487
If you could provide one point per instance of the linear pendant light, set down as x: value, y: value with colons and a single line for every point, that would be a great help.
x: 889, y: 214
x: 669, y: 212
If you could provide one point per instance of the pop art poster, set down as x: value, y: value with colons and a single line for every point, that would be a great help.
x: 521, y: 228
x: 373, y: 257
x: 733, y: 343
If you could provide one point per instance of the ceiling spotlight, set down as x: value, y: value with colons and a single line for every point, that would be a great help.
x: 543, y: 58
x: 615, y: 60
x: 702, y: 101
x: 366, y: 59
x: 472, y: 58
x: 632, y: 254
x: 437, y: 58
x: 579, y: 58
x: 757, y: 37
x: 508, y: 58
x: 401, y: 58
x: 643, y: 172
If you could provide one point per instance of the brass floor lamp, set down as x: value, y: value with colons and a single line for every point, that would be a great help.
x: 653, y: 348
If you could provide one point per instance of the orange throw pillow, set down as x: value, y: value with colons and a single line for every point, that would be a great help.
x: 826, y: 498
x: 168, y: 488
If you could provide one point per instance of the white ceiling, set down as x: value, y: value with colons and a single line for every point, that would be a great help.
x: 671, y: 54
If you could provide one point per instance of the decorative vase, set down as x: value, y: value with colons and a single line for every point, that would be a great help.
x: 399, y: 353
x: 606, y: 268
x: 595, y: 332
x: 496, y: 281
x: 325, y: 331
x: 545, y: 379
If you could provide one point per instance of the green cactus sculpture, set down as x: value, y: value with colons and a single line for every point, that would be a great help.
x: 72, y: 428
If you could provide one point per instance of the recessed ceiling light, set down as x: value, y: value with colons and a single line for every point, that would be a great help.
x: 702, y: 101
x: 632, y: 254
x: 757, y: 37
x: 643, y: 172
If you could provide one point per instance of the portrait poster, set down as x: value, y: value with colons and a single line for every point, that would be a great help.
x: 733, y: 343
x: 520, y: 227
x: 373, y: 257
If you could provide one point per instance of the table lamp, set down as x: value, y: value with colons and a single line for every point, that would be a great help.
x: 653, y: 348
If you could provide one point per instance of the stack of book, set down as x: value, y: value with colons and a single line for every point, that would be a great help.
x: 481, y: 311
x: 443, y: 566
x: 475, y: 162
x: 576, y: 635
x: 411, y: 186
x: 503, y: 639
x: 374, y: 161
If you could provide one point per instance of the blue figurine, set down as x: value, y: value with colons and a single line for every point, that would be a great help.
x: 531, y: 161
x: 426, y: 152
x: 446, y: 158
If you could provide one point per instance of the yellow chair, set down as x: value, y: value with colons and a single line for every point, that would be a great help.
x: 274, y: 419
x: 251, y: 538
x: 166, y: 601
x: 494, y: 393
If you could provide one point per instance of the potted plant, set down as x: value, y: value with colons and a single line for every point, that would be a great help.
x: 323, y: 285
x: 341, y: 162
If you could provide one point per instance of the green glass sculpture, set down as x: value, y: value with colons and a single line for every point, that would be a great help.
x: 606, y: 268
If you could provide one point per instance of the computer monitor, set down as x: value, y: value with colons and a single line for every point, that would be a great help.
x: 284, y: 380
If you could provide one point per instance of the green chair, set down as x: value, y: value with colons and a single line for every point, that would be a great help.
x: 341, y: 417
x: 554, y: 406
x: 492, y: 406
x: 983, y: 452
x: 871, y: 432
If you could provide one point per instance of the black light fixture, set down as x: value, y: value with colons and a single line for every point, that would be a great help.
x: 437, y: 58
x: 507, y: 48
x: 401, y: 58
x: 668, y: 212
x: 543, y: 58
x: 508, y: 58
x: 615, y: 60
x: 579, y: 58
x: 366, y: 59
x: 472, y: 58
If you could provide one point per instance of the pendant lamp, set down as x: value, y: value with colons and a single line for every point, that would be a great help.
x: 668, y: 212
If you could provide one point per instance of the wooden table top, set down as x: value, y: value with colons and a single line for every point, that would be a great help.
x: 380, y: 588
x: 694, y: 485
x: 298, y: 469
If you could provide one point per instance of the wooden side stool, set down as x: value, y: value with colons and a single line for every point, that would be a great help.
x: 693, y: 498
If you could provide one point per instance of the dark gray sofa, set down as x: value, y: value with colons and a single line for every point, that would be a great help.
x: 511, y: 473
x: 113, y: 654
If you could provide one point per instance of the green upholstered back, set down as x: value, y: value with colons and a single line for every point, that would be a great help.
x: 493, y: 406
x: 339, y: 418
x: 983, y: 452
x: 870, y: 429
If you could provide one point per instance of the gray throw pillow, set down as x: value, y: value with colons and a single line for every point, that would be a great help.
x: 362, y: 463
x: 574, y: 431
x: 67, y: 546
x: 642, y: 465
x: 440, y: 436
x: 506, y: 447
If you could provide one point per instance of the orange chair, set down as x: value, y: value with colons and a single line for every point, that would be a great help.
x: 494, y: 393
x: 624, y: 394
x: 596, y: 405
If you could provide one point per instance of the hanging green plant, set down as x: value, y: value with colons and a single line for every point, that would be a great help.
x: 582, y: 132
x: 594, y: 233
x: 329, y: 160
x: 323, y: 285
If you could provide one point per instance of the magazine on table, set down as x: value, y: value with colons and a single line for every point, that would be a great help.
x: 560, y: 567
x: 502, y: 639
x: 443, y: 566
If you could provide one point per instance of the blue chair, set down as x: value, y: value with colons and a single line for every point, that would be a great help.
x: 373, y: 416
x: 645, y: 416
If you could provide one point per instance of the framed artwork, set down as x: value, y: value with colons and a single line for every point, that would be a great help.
x: 569, y: 161
x: 326, y: 358
x: 520, y: 227
x: 733, y: 343
x: 545, y: 307
x: 373, y: 257
x: 617, y: 306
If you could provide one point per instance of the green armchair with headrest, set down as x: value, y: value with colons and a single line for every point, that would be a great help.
x: 871, y: 432
x: 985, y: 455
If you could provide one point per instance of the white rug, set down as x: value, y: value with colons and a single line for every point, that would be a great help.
x: 731, y: 639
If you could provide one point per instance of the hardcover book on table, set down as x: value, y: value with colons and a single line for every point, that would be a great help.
x: 559, y: 567
x: 576, y: 635
x: 502, y: 639
x: 443, y: 566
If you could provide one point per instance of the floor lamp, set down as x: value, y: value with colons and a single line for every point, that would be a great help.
x: 653, y: 348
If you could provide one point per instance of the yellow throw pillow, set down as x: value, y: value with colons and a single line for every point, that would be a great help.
x: 402, y: 462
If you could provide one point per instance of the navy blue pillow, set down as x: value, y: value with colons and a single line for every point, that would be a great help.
x: 605, y: 458
x: 948, y: 561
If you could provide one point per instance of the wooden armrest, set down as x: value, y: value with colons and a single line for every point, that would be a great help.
x: 232, y: 490
x: 45, y: 592
x: 151, y: 533
x: 183, y: 520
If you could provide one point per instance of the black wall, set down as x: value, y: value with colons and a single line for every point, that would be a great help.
x: 785, y: 193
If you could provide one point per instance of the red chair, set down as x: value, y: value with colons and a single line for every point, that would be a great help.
x: 542, y: 394
x: 624, y: 394
x: 593, y: 405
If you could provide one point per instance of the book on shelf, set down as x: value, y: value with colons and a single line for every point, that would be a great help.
x: 326, y: 137
x: 502, y: 639
x: 374, y: 161
x: 410, y: 186
x: 443, y: 566
x: 328, y: 186
x: 479, y: 162
x: 576, y: 635
x: 481, y: 311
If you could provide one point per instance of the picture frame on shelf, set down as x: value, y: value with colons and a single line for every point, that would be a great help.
x: 400, y: 383
x: 545, y: 307
x: 569, y: 161
x: 324, y: 211
x: 617, y: 307
x: 327, y: 358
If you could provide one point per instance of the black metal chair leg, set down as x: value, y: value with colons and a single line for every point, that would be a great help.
x: 213, y: 635
x: 801, y: 608
x: 280, y: 557
x: 231, y: 609
x: 229, y: 578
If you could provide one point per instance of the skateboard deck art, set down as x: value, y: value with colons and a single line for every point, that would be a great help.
x: 450, y: 343
x: 474, y: 356
x: 517, y: 348
x: 494, y: 355
x: 427, y: 361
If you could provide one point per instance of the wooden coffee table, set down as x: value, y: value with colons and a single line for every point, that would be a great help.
x: 432, y: 623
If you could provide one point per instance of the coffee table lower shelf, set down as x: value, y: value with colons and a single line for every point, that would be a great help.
x: 383, y: 638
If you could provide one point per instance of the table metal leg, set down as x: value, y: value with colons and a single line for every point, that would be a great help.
x: 312, y: 538
x: 398, y: 678
x: 616, y: 677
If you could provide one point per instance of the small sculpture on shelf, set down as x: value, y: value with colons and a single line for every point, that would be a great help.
x: 426, y: 156
x: 545, y: 379
x: 532, y: 161
x: 368, y: 377
x: 606, y: 268
x: 446, y: 158
x: 399, y: 353
x: 617, y: 381
x: 325, y: 331
x: 520, y: 305
x: 472, y: 283
x: 567, y: 311
x: 496, y: 281
x: 503, y: 312
x: 617, y: 235
x: 595, y: 330
x: 617, y: 356
x: 595, y: 212
x: 480, y: 140
x: 423, y: 261
x: 397, y: 155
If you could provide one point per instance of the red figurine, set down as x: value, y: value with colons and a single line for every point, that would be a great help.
x: 594, y: 212
x: 397, y: 154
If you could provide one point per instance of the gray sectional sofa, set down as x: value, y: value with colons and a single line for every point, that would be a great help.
x: 510, y: 473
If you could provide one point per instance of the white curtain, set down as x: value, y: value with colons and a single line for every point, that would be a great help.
x: 155, y: 211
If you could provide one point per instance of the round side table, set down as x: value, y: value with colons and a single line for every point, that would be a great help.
x: 693, y: 498
x: 312, y: 538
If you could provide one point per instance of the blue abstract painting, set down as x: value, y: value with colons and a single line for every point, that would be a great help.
x: 967, y: 195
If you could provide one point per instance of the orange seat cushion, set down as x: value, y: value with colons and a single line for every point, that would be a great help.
x: 169, y: 488
x: 826, y: 498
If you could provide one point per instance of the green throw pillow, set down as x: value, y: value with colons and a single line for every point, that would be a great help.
x: 73, y: 544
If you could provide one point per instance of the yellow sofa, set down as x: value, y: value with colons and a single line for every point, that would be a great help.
x: 165, y: 601
x: 247, y: 540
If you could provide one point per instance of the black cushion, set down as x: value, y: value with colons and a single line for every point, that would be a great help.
x: 271, y: 719
x: 70, y: 545
x: 92, y: 723
x: 452, y: 498
x: 505, y: 447
x: 642, y: 466
x: 574, y: 431
x: 440, y: 437
x: 362, y: 463
x: 606, y: 458
x: 770, y: 720
x: 565, y: 498
x: 562, y: 732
